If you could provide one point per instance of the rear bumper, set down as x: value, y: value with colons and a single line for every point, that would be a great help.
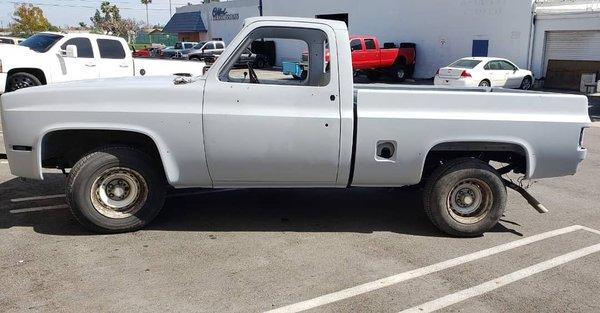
x: 453, y: 82
x: 3, y: 78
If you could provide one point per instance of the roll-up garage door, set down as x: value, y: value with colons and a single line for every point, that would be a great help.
x: 568, y: 54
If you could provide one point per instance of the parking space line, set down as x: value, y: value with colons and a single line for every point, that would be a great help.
x: 37, y: 198
x: 41, y: 208
x: 491, y: 285
x: 395, y: 279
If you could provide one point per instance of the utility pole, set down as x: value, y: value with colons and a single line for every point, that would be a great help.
x: 170, y: 9
x: 260, y: 7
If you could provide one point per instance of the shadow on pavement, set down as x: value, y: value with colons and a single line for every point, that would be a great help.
x: 359, y: 210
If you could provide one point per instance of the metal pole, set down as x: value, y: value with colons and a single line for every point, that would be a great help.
x: 260, y: 7
x: 170, y: 9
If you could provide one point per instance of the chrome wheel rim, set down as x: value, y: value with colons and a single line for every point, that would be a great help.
x: 484, y: 84
x: 527, y: 84
x: 20, y: 82
x: 469, y: 201
x: 119, y: 193
x: 400, y: 74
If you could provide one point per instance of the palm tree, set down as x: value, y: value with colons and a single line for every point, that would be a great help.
x: 146, y: 2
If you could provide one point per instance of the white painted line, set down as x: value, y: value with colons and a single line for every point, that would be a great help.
x: 491, y: 285
x: 37, y: 198
x: 395, y: 279
x: 41, y: 208
x: 597, y: 232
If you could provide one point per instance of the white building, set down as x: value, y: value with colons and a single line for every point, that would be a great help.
x: 443, y: 30
x: 538, y: 34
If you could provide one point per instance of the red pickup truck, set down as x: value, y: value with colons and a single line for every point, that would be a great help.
x: 370, y: 58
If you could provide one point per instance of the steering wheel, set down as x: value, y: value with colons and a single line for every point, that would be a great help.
x: 253, y: 76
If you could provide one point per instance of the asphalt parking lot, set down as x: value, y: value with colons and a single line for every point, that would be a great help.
x: 359, y: 250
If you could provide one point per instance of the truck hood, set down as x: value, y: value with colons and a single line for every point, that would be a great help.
x: 101, y: 93
x: 15, y: 50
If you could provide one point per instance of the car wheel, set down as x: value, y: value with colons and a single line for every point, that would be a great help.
x: 195, y: 59
x: 464, y: 197
x: 116, y: 189
x: 21, y: 80
x: 399, y: 72
x: 260, y: 63
x: 527, y: 83
x: 485, y: 83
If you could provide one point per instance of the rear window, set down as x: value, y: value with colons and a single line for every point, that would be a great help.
x: 111, y: 49
x: 6, y: 40
x: 470, y: 64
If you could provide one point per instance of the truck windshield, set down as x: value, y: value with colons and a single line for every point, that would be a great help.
x: 41, y: 42
x: 469, y: 64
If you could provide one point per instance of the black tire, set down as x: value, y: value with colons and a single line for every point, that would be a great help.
x: 373, y: 76
x: 21, y: 80
x: 260, y: 63
x: 88, y: 173
x: 398, y: 72
x: 195, y: 59
x: 485, y: 83
x: 527, y: 83
x: 442, y: 199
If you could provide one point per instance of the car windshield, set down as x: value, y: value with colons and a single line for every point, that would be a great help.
x: 465, y: 63
x: 200, y: 45
x: 41, y: 42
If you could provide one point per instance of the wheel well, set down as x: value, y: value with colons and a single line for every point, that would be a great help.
x: 63, y: 148
x: 33, y: 71
x: 486, y: 80
x: 509, y: 153
x: 401, y: 60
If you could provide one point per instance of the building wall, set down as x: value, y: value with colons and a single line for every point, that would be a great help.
x: 558, y: 22
x: 443, y: 30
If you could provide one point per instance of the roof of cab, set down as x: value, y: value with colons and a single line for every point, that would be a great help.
x: 333, y: 24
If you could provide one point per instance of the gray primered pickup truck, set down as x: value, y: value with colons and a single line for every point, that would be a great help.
x: 124, y: 141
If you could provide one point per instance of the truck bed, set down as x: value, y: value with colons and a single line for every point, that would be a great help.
x: 418, y: 118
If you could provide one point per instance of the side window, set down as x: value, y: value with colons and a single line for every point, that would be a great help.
x: 220, y: 45
x: 210, y: 46
x: 370, y: 44
x: 302, y: 59
x: 6, y: 40
x: 507, y: 66
x: 84, y: 47
x: 355, y: 45
x: 188, y: 46
x: 111, y: 49
x: 487, y: 67
x: 495, y: 66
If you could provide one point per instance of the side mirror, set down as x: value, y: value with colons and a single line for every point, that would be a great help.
x: 71, y: 51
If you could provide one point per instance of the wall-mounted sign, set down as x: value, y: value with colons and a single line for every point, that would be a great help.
x: 220, y: 14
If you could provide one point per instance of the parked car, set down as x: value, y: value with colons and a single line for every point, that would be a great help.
x: 370, y: 58
x: 48, y: 58
x: 177, y: 50
x: 10, y: 40
x: 205, y: 49
x: 141, y: 53
x: 484, y: 72
x: 125, y: 141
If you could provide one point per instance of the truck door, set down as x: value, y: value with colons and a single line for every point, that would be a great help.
x: 83, y: 66
x: 372, y: 53
x: 263, y: 128
x: 114, y: 61
x: 358, y: 54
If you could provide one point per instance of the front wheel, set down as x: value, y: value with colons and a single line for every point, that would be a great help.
x: 464, y: 197
x: 485, y: 83
x: 116, y: 189
x: 21, y: 80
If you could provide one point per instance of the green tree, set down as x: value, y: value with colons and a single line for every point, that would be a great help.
x: 108, y: 20
x: 29, y: 19
x: 146, y: 3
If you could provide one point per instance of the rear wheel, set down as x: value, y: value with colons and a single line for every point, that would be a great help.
x: 117, y: 189
x: 527, y: 83
x: 398, y: 72
x: 485, y: 83
x: 260, y: 63
x: 464, y: 197
x: 21, y: 80
x: 196, y: 59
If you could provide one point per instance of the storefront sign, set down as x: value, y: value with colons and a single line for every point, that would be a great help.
x: 220, y: 14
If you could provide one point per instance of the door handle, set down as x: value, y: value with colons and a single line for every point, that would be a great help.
x: 90, y: 65
x: 124, y: 65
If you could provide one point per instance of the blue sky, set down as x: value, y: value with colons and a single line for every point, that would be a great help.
x: 71, y: 12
